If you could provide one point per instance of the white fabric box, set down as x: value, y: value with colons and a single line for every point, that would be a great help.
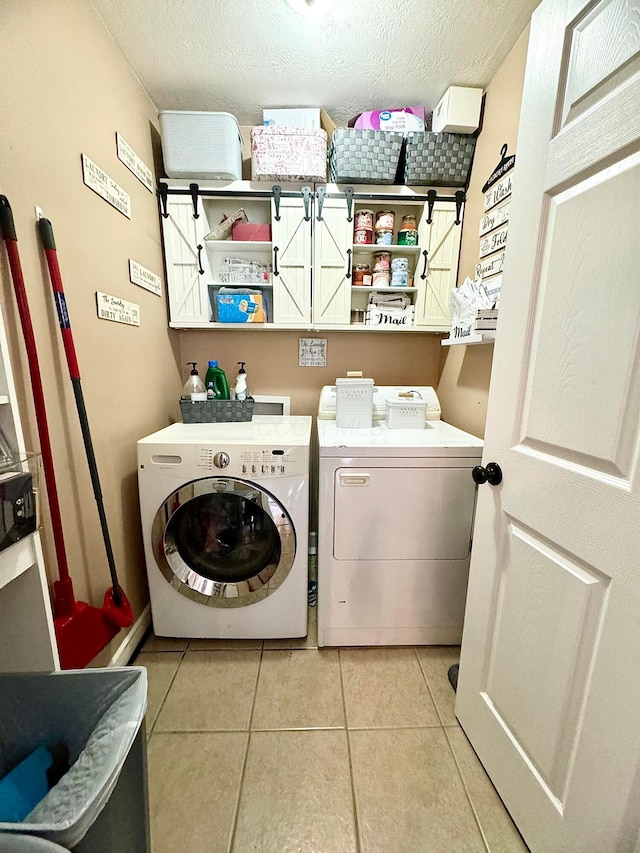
x: 201, y: 145
x: 458, y: 111
x: 288, y: 154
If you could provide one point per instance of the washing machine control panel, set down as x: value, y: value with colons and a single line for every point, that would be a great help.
x: 259, y: 462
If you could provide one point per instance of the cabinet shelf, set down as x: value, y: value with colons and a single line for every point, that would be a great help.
x: 389, y: 289
x: 483, y: 338
x: 238, y: 245
x: 251, y: 286
x: 372, y: 248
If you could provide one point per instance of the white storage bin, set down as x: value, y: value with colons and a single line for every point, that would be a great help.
x: 288, y: 154
x: 354, y: 403
x: 201, y: 145
x: 406, y: 413
x: 458, y: 110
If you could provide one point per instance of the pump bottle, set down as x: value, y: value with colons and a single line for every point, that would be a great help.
x: 240, y: 390
x: 194, y: 386
x: 216, y: 383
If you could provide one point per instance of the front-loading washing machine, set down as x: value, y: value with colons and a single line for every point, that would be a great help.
x: 224, y: 511
x: 395, y: 514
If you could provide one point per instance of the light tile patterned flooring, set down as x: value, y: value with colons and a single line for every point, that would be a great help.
x: 278, y: 746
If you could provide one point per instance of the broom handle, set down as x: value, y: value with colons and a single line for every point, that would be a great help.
x: 7, y: 227
x: 48, y: 241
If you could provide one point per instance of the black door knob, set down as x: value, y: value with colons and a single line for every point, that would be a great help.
x: 492, y: 474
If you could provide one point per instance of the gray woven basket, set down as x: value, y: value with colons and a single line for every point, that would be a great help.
x: 438, y: 159
x: 216, y: 411
x: 364, y: 156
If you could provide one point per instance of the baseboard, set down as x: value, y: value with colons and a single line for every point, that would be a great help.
x: 127, y: 647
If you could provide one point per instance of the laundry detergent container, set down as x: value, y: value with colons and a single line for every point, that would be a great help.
x: 201, y: 145
x: 100, y: 803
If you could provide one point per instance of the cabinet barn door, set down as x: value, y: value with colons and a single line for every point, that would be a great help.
x: 291, y: 238
x: 333, y: 236
x: 441, y: 240
x: 188, y: 273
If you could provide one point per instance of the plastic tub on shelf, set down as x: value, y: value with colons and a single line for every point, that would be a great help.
x: 204, y: 145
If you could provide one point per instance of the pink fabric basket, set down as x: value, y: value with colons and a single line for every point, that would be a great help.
x: 288, y: 154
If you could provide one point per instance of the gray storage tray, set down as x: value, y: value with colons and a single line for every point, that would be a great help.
x: 216, y: 411
x: 364, y: 156
x: 438, y: 159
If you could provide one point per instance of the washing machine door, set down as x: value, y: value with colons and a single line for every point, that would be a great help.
x: 223, y: 542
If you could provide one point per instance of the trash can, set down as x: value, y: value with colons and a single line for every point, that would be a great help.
x: 101, y: 803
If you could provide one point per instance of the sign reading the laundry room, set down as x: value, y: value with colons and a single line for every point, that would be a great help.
x: 312, y: 352
x: 105, y: 187
x: 144, y: 278
x: 134, y: 163
x: 118, y: 310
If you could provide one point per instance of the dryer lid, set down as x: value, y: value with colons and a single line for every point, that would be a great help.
x: 327, y: 404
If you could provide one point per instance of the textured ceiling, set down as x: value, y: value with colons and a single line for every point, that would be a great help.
x: 242, y: 55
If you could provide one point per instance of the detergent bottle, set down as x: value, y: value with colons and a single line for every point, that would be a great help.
x: 240, y: 390
x: 216, y: 383
x: 194, y: 386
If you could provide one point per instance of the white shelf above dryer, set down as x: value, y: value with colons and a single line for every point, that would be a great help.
x: 483, y: 338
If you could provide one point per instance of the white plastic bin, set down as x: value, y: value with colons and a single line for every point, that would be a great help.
x: 201, y: 145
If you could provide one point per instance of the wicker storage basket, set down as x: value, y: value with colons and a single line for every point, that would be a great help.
x: 216, y: 411
x: 364, y: 156
x: 438, y: 159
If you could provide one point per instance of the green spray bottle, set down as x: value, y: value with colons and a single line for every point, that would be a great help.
x: 216, y: 382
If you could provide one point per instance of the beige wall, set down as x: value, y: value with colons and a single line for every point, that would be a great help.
x: 465, y: 370
x: 66, y: 89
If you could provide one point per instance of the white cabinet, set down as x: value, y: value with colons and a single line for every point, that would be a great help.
x: 196, y: 268
x: 307, y: 267
x: 27, y: 638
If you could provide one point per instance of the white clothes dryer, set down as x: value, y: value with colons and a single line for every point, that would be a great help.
x: 395, y: 515
x: 224, y: 511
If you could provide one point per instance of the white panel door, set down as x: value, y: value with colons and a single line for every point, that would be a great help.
x: 435, y: 275
x: 332, y: 243
x: 549, y: 683
x: 291, y: 237
x: 187, y: 266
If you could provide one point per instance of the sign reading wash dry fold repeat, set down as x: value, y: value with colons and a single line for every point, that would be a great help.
x: 494, y: 225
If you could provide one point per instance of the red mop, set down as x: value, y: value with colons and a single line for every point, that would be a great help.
x: 82, y: 631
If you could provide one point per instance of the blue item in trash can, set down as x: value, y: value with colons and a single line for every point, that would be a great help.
x: 23, y: 787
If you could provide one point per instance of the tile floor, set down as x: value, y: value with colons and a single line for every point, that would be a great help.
x: 279, y: 746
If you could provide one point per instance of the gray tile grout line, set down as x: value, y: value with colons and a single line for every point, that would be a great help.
x: 354, y: 802
x: 429, y: 691
x: 164, y: 698
x: 236, y: 811
x: 467, y: 792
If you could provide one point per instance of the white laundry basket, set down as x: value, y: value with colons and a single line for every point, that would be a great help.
x: 201, y: 145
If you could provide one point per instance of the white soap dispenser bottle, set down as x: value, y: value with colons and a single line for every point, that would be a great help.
x: 240, y: 389
x: 194, y: 389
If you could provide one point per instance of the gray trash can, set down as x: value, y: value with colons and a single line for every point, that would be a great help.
x: 12, y: 843
x: 101, y: 803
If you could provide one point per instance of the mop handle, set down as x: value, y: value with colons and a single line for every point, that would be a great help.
x: 8, y: 229
x: 48, y: 241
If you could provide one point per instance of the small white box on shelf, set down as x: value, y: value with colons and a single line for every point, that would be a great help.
x: 389, y: 317
x: 458, y: 111
x: 204, y: 145
x: 292, y: 117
